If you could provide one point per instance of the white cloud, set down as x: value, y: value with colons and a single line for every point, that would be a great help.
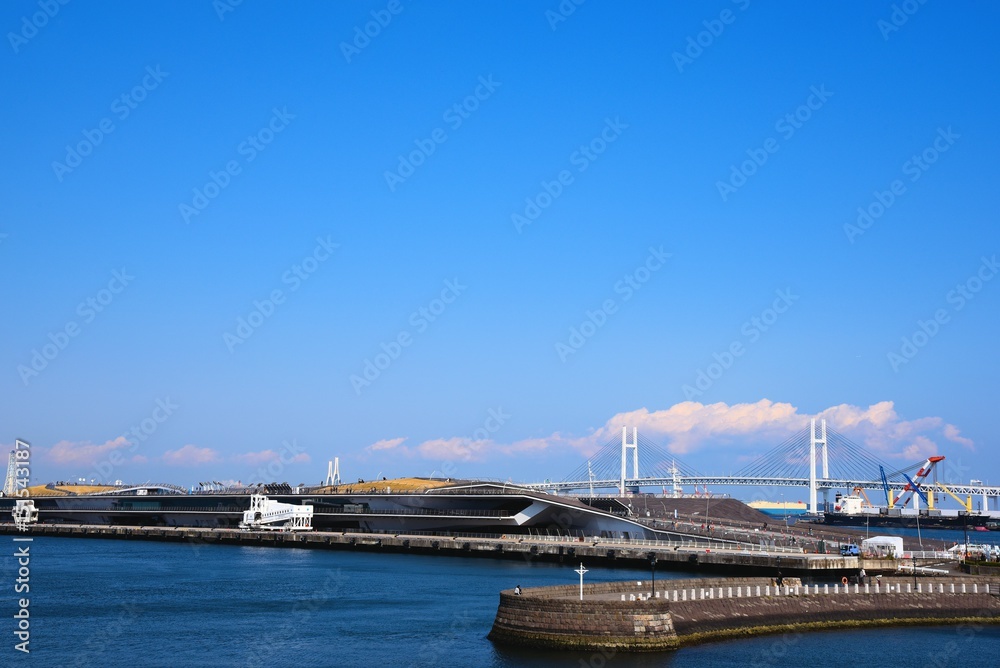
x: 84, y: 452
x: 190, y: 455
x: 691, y: 427
x: 386, y: 444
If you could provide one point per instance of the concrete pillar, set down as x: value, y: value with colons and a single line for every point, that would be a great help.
x: 711, y: 593
x: 941, y: 588
x: 975, y: 588
x: 730, y: 592
x: 631, y: 597
x: 657, y: 594
x: 720, y: 592
x: 623, y: 597
x: 908, y: 588
x: 876, y: 588
x: 816, y: 590
x: 987, y: 588
x: 920, y: 587
x: 684, y: 595
x: 963, y: 587
x: 796, y: 590
x: 866, y: 588
x: 739, y: 592
x: 836, y: 589
x: 767, y: 590
x: 826, y: 589
x: 703, y: 594
x: 856, y: 585
x: 758, y: 590
x: 951, y: 589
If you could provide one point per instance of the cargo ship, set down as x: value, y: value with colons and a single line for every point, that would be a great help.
x: 851, y: 510
x: 780, y: 507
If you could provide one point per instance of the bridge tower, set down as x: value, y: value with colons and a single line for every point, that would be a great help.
x: 634, y: 447
x: 333, y: 472
x: 816, y: 438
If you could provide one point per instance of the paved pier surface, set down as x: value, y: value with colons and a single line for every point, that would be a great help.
x: 671, y: 556
x: 632, y: 616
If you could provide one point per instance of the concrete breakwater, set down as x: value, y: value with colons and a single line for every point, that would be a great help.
x: 628, y: 554
x: 629, y: 616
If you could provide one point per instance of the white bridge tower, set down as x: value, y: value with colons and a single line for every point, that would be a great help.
x: 333, y: 472
x: 634, y: 447
x: 816, y: 438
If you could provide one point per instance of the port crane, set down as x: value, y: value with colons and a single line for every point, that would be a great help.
x: 918, y: 484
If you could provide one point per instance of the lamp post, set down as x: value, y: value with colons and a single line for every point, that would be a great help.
x: 652, y: 568
x: 581, y: 571
x: 965, y: 534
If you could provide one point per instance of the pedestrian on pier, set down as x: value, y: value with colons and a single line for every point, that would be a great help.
x: 861, y: 576
x: 517, y: 590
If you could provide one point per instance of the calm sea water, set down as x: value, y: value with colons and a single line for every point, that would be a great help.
x: 118, y: 603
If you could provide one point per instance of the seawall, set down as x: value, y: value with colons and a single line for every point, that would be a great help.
x: 601, y: 552
x: 706, y: 610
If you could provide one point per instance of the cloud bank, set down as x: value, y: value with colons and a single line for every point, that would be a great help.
x: 692, y: 427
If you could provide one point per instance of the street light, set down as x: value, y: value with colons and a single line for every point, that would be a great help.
x: 652, y: 568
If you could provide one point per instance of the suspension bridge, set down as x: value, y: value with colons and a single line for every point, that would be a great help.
x: 816, y: 458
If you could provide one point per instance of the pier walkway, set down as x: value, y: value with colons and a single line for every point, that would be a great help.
x: 715, y: 557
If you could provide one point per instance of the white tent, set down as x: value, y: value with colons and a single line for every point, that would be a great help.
x: 883, y: 546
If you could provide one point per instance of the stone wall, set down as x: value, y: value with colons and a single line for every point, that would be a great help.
x: 554, y: 617
x: 567, y: 624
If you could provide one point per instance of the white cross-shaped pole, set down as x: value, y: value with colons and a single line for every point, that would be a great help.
x: 581, y: 571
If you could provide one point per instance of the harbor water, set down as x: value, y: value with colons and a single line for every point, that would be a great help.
x: 121, y: 603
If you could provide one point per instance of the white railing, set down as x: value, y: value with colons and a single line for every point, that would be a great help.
x: 755, y: 591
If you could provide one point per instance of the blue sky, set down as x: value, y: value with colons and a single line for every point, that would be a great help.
x: 477, y: 179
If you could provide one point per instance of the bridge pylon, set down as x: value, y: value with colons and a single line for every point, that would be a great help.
x: 333, y: 472
x: 634, y: 447
x: 816, y: 438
